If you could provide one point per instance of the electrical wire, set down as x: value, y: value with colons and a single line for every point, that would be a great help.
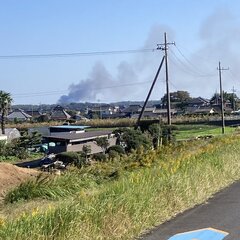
x: 190, y: 63
x: 179, y: 64
x: 186, y: 68
x: 196, y: 68
x: 77, y: 54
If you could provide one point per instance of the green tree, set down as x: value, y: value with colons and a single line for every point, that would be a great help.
x: 232, y: 97
x: 5, y: 102
x: 102, y: 143
x: 132, y: 139
x: 29, y: 140
x: 178, y: 99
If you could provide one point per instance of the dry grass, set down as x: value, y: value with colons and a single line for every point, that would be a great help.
x: 167, y: 182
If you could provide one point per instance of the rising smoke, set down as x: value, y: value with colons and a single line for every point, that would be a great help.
x: 102, y: 84
x: 219, y: 38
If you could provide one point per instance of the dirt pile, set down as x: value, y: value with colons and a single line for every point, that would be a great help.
x: 11, y: 176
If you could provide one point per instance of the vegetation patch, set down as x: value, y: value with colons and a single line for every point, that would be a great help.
x: 142, y: 190
x: 195, y: 130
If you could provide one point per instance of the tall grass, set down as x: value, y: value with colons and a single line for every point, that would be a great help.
x: 51, y: 187
x: 157, y: 187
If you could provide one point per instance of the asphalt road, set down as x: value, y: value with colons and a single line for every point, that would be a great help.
x: 221, y: 212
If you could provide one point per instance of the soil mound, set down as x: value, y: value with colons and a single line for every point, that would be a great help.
x: 11, y: 176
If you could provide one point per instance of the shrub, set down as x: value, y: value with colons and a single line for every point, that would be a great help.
x: 116, y: 148
x: 10, y: 150
x: 68, y: 157
x: 113, y: 154
x: 132, y: 139
x: 101, y: 157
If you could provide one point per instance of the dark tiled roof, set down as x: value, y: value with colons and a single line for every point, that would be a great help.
x: 18, y: 114
x: 34, y: 113
x: 132, y: 108
x: 79, y: 136
x: 60, y: 114
x: 198, y: 100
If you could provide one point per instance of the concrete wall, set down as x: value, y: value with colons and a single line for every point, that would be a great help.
x: 94, y: 147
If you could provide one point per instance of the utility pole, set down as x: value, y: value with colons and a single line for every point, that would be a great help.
x: 164, y: 47
x: 220, y: 69
x: 149, y: 93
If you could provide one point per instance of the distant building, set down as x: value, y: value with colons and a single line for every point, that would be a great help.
x: 74, y: 141
x: 58, y: 113
x: 18, y: 115
x: 164, y: 112
x: 103, y: 111
x: 204, y: 110
x: 132, y: 110
x: 33, y: 113
x: 198, y: 102
x: 66, y: 129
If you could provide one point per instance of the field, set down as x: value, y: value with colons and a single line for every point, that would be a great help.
x: 122, y: 198
x: 186, y: 131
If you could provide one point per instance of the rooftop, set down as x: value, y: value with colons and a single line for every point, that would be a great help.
x: 73, y: 136
x: 71, y: 127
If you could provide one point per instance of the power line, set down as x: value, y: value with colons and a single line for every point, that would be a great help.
x: 182, y: 65
x: 76, y: 54
x: 190, y: 63
x: 203, y: 58
x: 189, y: 70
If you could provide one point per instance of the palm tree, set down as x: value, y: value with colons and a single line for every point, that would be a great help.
x: 5, y: 101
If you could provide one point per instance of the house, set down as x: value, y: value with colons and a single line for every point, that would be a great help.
x: 103, y: 111
x: 164, y: 112
x: 74, y: 141
x: 33, y: 113
x: 18, y: 115
x: 198, y: 102
x: 204, y: 110
x: 58, y: 113
x: 66, y: 129
x: 132, y: 110
x: 79, y: 117
x: 218, y: 109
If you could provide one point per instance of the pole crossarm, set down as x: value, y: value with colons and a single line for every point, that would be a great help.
x: 161, y: 46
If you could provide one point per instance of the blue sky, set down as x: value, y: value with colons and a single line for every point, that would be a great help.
x: 205, y: 32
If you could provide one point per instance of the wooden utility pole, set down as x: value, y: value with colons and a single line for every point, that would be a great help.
x: 149, y: 93
x: 164, y: 47
x: 167, y: 82
x: 220, y: 69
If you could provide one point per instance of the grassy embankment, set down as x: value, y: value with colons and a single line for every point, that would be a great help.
x: 119, y: 200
